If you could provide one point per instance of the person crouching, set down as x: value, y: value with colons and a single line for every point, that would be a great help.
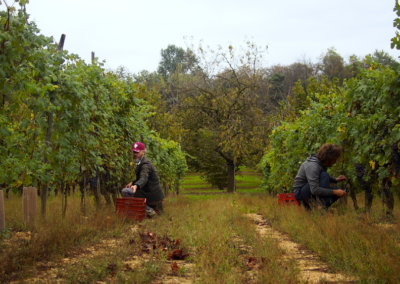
x: 312, y: 182
x: 147, y: 184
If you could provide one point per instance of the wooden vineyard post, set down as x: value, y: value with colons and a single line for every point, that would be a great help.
x: 48, y: 134
x: 93, y: 57
x: 29, y: 204
x: 177, y: 186
x: 2, y: 212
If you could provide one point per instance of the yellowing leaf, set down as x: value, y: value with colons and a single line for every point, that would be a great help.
x: 372, y: 164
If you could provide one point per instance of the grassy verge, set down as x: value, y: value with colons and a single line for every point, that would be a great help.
x: 53, y: 237
x: 358, y: 243
x: 210, y: 229
x: 214, y: 233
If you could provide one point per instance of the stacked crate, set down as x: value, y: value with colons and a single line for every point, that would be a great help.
x: 287, y: 198
x: 131, y: 207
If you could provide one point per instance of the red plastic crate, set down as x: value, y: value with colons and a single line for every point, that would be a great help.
x: 131, y: 207
x: 287, y: 198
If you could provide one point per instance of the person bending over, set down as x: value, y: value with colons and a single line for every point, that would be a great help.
x: 147, y: 184
x: 312, y: 182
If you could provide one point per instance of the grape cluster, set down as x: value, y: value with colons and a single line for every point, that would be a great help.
x: 83, y: 181
x: 107, y: 176
x: 380, y: 138
x: 360, y: 170
x: 93, y: 181
x: 385, y: 131
x: 396, y: 158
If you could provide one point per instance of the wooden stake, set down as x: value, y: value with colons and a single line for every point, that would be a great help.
x: 48, y: 134
x: 2, y: 213
x: 29, y: 204
x: 93, y: 57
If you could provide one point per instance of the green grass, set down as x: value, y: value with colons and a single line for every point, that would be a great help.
x: 212, y: 231
x: 345, y: 239
x: 207, y: 226
x: 248, y: 181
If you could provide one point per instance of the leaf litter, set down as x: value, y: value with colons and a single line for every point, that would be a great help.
x: 149, y: 243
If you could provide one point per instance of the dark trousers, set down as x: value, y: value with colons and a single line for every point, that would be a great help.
x: 305, y: 197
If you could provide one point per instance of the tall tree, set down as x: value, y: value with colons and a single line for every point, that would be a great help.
x: 384, y: 58
x: 221, y: 101
x: 174, y: 59
x: 333, y: 65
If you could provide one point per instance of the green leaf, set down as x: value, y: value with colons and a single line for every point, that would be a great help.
x: 4, y: 131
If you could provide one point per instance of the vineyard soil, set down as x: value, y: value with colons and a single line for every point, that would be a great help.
x: 218, y: 243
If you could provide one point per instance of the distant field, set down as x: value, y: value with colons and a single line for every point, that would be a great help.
x: 247, y: 181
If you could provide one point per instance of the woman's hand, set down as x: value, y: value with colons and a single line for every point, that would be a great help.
x: 341, y: 178
x: 339, y: 192
x: 134, y: 187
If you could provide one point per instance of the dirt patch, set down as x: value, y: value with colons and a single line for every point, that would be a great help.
x: 48, y: 272
x: 180, y: 270
x: 312, y: 269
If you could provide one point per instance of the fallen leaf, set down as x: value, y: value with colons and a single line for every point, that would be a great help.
x: 175, y: 267
x: 251, y: 262
x: 177, y: 255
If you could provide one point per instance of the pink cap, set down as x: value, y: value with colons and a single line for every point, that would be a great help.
x: 138, y: 146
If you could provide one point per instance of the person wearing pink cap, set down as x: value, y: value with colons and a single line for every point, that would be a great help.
x: 147, y: 184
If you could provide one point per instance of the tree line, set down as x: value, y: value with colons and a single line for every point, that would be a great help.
x: 223, y: 104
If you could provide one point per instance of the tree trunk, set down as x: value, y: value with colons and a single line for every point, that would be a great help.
x: 231, y: 176
x: 82, y: 188
x: 353, y: 196
x: 343, y: 200
x: 65, y: 193
x: 368, y: 197
x: 105, y: 192
x: 2, y: 214
x: 63, y: 198
x: 177, y: 186
x: 39, y: 189
x: 97, y: 195
x: 47, y: 143
x: 114, y: 193
x: 165, y: 188
x: 387, y: 196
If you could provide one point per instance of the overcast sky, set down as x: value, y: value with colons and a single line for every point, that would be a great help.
x: 132, y: 33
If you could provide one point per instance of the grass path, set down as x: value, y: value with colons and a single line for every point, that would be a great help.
x: 312, y: 269
x: 214, y: 229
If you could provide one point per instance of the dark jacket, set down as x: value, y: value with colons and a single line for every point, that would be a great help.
x: 148, y: 182
x: 309, y: 172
